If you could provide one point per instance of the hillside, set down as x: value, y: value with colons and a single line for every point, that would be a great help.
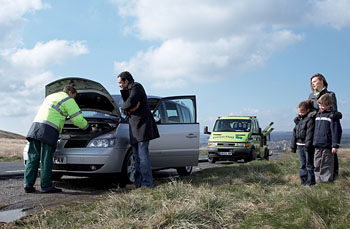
x: 6, y: 134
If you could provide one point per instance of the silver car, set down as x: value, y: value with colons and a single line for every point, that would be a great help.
x: 108, y: 151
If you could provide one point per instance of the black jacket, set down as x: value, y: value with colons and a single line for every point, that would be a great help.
x: 303, y: 131
x: 328, y: 131
x: 142, y: 124
x: 314, y: 99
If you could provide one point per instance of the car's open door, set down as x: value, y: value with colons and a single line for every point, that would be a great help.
x: 178, y: 145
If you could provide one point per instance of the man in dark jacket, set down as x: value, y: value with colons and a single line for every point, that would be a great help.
x: 327, y: 137
x: 142, y: 127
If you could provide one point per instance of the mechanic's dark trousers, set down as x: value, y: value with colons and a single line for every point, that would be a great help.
x: 39, y: 152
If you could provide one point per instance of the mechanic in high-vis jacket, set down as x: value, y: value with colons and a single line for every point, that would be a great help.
x: 44, y: 133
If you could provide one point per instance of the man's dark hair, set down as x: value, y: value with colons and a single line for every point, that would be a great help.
x: 69, y: 88
x: 126, y: 76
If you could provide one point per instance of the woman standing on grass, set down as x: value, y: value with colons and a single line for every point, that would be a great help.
x: 319, y: 87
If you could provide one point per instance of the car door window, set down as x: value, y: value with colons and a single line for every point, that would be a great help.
x: 177, y: 110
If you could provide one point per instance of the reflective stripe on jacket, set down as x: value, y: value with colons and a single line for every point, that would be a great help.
x: 56, y: 108
x: 328, y: 131
x: 50, y: 119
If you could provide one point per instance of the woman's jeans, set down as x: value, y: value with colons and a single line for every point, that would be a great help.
x: 306, y: 159
x: 143, y: 170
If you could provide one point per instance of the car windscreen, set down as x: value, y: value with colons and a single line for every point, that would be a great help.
x: 232, y: 125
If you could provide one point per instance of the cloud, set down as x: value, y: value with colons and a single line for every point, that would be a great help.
x: 12, y: 20
x: 334, y: 13
x: 25, y: 72
x: 178, y: 62
x: 50, y: 53
x: 219, y: 38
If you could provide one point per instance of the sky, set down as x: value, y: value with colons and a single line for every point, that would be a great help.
x: 251, y: 57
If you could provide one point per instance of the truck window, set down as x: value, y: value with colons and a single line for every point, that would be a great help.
x: 232, y: 125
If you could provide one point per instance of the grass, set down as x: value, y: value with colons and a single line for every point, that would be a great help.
x: 259, y: 194
x: 203, y: 151
x: 11, y: 149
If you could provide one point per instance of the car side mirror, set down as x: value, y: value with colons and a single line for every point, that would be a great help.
x: 206, y: 130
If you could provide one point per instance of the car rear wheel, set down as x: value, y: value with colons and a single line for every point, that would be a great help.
x: 184, y: 171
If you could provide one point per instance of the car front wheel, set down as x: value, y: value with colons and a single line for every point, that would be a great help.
x: 56, y: 176
x: 212, y: 159
x: 128, y: 172
x: 184, y: 171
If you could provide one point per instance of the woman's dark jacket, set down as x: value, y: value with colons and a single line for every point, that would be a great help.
x: 314, y: 99
x: 142, y: 125
x: 304, y: 130
x: 328, y: 130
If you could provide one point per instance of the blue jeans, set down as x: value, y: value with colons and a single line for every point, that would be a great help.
x: 143, y: 170
x: 306, y: 159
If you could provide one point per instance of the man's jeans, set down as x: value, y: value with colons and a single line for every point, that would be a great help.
x: 143, y: 170
x: 306, y: 159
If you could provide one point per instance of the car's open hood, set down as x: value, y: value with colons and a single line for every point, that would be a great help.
x: 91, y: 96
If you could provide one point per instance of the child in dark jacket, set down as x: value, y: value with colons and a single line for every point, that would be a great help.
x: 302, y: 140
x: 327, y: 138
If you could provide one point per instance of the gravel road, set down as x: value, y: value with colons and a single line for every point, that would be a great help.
x: 74, y: 189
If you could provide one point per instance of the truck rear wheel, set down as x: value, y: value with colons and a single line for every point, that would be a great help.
x: 267, y: 154
x: 252, y: 156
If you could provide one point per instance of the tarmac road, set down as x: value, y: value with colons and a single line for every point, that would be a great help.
x: 11, y: 169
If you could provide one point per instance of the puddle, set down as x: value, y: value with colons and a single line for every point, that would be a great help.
x: 12, y: 215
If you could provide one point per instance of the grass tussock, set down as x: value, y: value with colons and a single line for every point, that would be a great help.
x: 259, y: 194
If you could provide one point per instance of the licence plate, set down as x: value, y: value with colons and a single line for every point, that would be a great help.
x: 225, y: 153
x: 59, y: 160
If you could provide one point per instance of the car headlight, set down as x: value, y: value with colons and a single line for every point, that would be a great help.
x: 212, y: 143
x: 240, y: 144
x: 101, y: 143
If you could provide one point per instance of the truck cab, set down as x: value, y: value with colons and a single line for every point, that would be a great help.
x: 237, y: 137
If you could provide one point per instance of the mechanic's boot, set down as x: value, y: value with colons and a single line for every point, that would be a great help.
x: 29, y: 189
x: 52, y: 190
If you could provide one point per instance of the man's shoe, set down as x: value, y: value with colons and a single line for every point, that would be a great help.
x: 131, y: 186
x: 53, y: 190
x: 29, y: 189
